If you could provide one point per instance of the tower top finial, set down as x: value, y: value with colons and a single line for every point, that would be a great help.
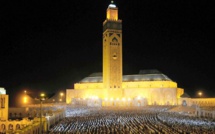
x: 112, y: 5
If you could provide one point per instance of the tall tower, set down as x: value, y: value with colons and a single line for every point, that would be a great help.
x: 112, y: 52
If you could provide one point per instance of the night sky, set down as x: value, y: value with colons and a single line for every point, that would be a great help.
x: 50, y: 45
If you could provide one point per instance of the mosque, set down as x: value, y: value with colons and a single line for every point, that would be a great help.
x: 111, y: 87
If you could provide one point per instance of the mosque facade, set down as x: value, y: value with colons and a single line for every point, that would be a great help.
x: 111, y: 87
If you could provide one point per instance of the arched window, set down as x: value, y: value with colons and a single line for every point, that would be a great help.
x: 3, y: 128
x: 10, y: 127
x: 17, y: 126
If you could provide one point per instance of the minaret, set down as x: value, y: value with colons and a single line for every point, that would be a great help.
x: 112, y: 53
x: 3, y: 104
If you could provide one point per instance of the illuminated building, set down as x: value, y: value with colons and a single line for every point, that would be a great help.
x: 3, y: 104
x: 112, y: 88
x: 25, y: 126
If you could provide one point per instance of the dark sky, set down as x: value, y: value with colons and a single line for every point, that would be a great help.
x: 50, y: 45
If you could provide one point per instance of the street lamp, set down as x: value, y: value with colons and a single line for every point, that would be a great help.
x: 42, y: 97
x: 25, y: 99
x: 61, y: 96
x: 200, y: 94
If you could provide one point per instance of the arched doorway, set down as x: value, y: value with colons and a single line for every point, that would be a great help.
x: 17, y: 127
x: 3, y: 128
x: 10, y: 127
x: 184, y: 103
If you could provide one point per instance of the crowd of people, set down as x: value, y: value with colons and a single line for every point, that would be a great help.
x: 136, y: 120
x: 189, y: 124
